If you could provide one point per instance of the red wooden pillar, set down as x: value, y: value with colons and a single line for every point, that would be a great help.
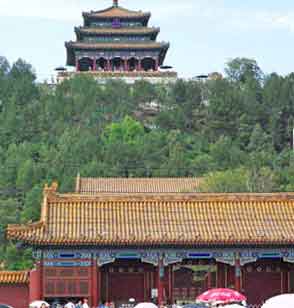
x: 94, y: 283
x: 139, y: 65
x: 237, y: 274
x: 170, y: 284
x: 221, y: 276
x: 126, y: 65
x: 285, y: 283
x: 209, y: 279
x: 156, y: 64
x: 77, y: 65
x: 35, y: 287
x: 94, y: 64
x: 108, y: 65
x: 98, y: 284
x: 160, y: 284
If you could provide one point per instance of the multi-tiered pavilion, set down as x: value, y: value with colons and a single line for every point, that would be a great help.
x: 117, y: 42
x: 115, y: 239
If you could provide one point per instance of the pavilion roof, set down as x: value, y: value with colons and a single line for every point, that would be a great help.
x: 160, y: 219
x: 14, y: 277
x: 117, y: 12
x: 135, y: 45
x: 132, y: 31
x: 136, y: 185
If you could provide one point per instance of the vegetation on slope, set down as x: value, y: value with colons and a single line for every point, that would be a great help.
x: 236, y: 131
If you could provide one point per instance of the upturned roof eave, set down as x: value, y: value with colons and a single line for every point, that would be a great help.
x: 71, y: 47
x: 159, y: 243
x: 116, y: 46
x: 111, y: 31
x: 14, y: 277
x: 127, y: 14
x: 233, y: 211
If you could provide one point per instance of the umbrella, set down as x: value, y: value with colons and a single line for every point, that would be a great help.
x: 38, y: 304
x: 221, y: 296
x: 233, y: 306
x: 4, y: 306
x: 284, y: 301
x: 197, y: 305
x: 146, y: 305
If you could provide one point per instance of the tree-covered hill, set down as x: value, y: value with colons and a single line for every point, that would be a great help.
x: 236, y: 132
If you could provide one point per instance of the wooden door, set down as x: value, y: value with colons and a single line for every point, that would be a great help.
x: 123, y: 286
x: 261, y: 286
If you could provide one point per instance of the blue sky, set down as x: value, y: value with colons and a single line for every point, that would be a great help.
x: 204, y: 34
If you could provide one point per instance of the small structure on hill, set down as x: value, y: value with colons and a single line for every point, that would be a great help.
x: 117, y: 43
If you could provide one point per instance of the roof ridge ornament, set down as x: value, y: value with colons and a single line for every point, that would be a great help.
x: 49, y: 190
x: 115, y: 3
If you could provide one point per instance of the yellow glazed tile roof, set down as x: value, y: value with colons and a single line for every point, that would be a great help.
x: 161, y: 219
x: 135, y: 45
x: 11, y: 277
x: 142, y: 30
x: 118, y: 12
x: 136, y: 185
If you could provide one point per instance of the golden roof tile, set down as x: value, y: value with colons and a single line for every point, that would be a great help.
x: 142, y: 30
x: 119, y: 12
x: 158, y: 219
x: 13, y: 277
x: 136, y: 185
x: 135, y: 45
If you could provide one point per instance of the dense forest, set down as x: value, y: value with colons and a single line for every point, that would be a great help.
x: 236, y: 132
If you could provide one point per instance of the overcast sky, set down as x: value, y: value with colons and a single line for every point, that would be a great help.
x: 204, y: 34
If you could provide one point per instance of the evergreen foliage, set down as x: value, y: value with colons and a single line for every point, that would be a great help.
x: 236, y: 132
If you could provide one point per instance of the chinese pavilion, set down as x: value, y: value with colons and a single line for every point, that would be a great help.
x: 115, y: 239
x: 117, y: 43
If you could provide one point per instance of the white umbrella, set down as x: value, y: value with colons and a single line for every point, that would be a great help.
x: 146, y: 305
x: 233, y: 306
x: 5, y: 306
x: 280, y: 301
x: 38, y: 304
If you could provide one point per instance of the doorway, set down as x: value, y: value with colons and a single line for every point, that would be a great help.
x: 123, y: 286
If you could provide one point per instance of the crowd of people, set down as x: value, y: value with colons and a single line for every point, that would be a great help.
x: 82, y: 303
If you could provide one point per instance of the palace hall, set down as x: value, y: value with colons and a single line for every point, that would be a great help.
x: 154, y: 239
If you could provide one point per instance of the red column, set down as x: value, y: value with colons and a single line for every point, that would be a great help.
x: 170, y: 284
x: 139, y: 65
x: 126, y: 65
x: 156, y: 64
x: 209, y: 280
x: 35, y: 287
x: 108, y: 65
x: 220, y: 275
x: 94, y: 65
x: 77, y: 65
x: 237, y: 274
x: 160, y: 285
x: 94, y: 283
x: 98, y: 284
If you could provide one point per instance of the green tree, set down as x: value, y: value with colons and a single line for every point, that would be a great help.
x: 229, y: 181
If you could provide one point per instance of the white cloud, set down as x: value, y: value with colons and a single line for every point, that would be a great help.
x: 283, y: 21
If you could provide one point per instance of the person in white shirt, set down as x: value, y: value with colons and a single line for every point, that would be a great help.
x: 69, y: 305
x: 85, y: 303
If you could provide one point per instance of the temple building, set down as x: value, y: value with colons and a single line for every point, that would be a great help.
x: 117, y: 43
x: 155, y: 239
